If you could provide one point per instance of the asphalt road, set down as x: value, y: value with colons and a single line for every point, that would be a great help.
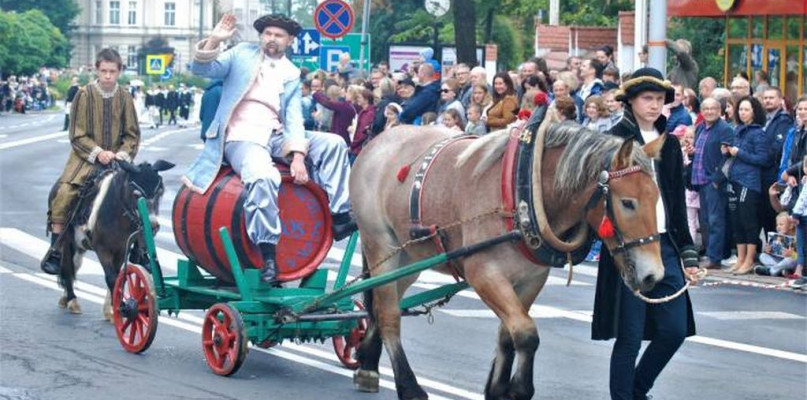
x: 751, y: 343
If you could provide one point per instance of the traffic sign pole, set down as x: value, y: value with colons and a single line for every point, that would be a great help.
x: 365, y: 21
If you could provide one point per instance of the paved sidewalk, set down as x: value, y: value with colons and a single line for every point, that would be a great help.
x: 717, y: 277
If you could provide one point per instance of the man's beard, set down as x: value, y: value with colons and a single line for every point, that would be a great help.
x: 273, y: 49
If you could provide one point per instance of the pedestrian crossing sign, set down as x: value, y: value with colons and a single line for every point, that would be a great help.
x: 155, y: 64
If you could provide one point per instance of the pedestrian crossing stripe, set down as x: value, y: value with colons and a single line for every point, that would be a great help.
x: 749, y: 315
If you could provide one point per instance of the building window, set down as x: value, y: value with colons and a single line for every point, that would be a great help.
x: 98, y: 13
x: 131, y: 58
x: 114, y: 12
x: 132, y: 13
x: 170, y: 14
x: 195, y: 12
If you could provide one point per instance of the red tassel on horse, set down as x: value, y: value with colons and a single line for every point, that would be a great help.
x: 403, y: 173
x: 606, y: 229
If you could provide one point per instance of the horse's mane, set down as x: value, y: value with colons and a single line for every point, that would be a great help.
x: 581, y: 162
x: 585, y: 156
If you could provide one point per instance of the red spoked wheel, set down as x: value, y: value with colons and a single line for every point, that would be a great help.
x: 134, y: 308
x: 224, y: 340
x: 346, y: 346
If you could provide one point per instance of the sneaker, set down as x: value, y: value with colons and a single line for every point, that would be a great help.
x: 729, y: 262
x: 799, y: 283
x: 762, y: 270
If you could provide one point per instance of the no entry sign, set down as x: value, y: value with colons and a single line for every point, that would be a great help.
x: 333, y: 18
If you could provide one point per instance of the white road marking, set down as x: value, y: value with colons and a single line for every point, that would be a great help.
x: 35, y: 247
x: 749, y: 315
x: 160, y: 136
x: 30, y: 140
x: 3, y: 135
x: 536, y: 311
x: 4, y: 270
x: 195, y: 327
x: 197, y: 146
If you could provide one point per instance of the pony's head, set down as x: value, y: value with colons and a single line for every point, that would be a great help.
x: 145, y: 181
x: 626, y: 218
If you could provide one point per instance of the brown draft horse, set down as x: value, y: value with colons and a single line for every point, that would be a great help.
x: 464, y: 182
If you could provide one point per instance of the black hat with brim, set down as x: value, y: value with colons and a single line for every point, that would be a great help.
x: 646, y: 80
x: 279, y: 20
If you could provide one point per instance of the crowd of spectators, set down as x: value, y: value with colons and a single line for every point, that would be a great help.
x: 743, y: 144
x: 24, y: 93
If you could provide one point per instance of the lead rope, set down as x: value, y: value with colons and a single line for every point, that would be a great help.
x: 690, y: 279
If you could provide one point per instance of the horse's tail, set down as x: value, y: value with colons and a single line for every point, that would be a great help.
x: 368, y: 294
x: 488, y: 149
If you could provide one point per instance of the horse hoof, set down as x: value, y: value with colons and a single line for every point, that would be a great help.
x: 74, y: 307
x: 365, y: 381
x: 63, y: 302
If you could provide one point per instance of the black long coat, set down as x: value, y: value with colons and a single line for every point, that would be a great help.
x: 670, y: 177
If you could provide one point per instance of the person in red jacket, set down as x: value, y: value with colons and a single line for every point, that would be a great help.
x: 364, y: 124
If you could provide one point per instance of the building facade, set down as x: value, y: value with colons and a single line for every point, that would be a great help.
x: 761, y: 35
x: 127, y: 25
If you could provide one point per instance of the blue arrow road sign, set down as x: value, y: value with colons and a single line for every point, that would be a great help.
x: 168, y: 73
x: 306, y: 44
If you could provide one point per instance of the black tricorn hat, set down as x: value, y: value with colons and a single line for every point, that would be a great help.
x: 646, y: 79
x: 279, y: 20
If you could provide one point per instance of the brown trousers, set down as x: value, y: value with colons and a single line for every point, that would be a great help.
x: 62, y: 200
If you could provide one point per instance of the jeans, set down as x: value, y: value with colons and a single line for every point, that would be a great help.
x: 668, y: 321
x: 713, y: 208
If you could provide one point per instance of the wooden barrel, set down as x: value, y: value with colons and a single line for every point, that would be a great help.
x: 304, y: 213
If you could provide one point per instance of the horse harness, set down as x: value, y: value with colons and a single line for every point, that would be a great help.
x: 518, y: 204
x: 609, y: 227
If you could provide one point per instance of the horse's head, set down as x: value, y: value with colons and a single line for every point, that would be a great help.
x: 145, y: 181
x: 628, y: 222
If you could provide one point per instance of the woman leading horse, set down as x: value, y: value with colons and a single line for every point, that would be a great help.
x: 579, y: 180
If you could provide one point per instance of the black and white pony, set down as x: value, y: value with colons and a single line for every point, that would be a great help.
x: 105, y: 221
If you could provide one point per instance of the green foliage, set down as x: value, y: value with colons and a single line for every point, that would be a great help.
x: 60, y: 12
x: 509, y: 42
x: 707, y: 36
x: 29, y: 41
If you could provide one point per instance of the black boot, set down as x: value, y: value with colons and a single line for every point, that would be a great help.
x: 269, y: 270
x: 343, y: 225
x: 52, y: 264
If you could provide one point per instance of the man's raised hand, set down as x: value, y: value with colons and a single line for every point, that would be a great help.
x: 224, y: 30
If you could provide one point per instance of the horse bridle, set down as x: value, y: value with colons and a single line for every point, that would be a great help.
x: 604, y: 191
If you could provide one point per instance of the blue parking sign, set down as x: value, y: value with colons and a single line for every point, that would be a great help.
x: 329, y: 57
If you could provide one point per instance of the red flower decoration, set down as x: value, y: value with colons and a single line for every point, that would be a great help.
x: 524, y: 114
x: 540, y: 99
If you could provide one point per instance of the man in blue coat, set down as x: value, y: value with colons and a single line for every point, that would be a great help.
x: 777, y: 123
x: 710, y: 181
x: 259, y: 117
x: 678, y: 113
x: 426, y: 96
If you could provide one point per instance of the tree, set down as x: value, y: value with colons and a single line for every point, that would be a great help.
x: 465, y: 31
x: 60, y: 12
x: 28, y: 41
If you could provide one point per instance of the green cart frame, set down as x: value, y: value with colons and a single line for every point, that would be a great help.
x: 252, y: 311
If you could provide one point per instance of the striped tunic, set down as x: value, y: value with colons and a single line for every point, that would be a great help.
x: 100, y: 121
